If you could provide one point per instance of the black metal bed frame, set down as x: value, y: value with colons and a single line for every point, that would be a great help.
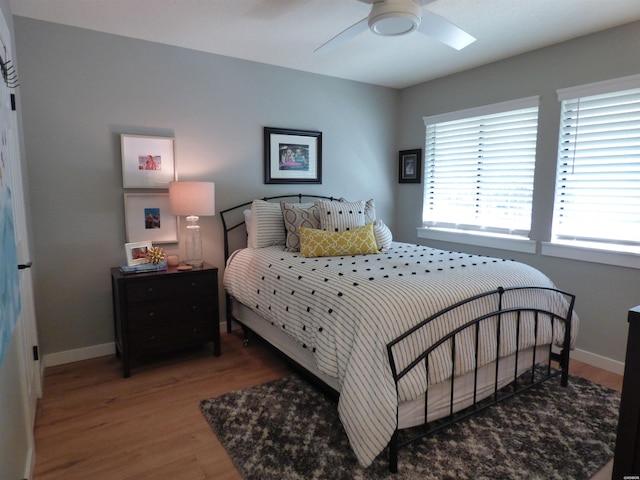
x: 238, y: 222
x: 520, y: 383
x: 517, y: 385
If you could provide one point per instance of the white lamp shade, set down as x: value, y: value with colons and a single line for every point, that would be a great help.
x: 192, y: 198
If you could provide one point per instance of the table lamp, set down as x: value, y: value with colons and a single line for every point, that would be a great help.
x: 192, y: 199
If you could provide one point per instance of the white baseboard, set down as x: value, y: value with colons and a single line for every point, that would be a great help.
x: 94, y: 351
x: 30, y: 464
x: 78, y: 354
x: 598, y: 361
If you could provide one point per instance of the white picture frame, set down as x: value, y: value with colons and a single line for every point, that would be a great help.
x: 137, y: 252
x: 148, y: 217
x: 147, y: 162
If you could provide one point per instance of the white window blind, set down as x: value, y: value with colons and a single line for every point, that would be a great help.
x: 598, y: 177
x: 479, y: 168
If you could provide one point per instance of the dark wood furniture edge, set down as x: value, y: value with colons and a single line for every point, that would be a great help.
x: 626, y: 461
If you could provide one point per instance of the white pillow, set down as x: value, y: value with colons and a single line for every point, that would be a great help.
x: 248, y: 223
x: 383, y: 235
x: 267, y: 225
x: 340, y: 216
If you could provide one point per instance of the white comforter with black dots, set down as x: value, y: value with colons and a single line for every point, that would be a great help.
x: 346, y: 310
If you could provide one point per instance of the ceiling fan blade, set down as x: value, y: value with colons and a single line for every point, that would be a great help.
x: 344, y: 36
x: 446, y: 32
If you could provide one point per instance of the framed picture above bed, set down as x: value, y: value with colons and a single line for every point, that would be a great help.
x: 292, y: 156
x: 410, y: 166
x: 147, y: 162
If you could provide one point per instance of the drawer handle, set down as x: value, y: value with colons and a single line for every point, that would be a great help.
x: 150, y: 289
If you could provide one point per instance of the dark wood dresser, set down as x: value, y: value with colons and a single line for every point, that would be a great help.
x: 626, y: 463
x: 163, y: 311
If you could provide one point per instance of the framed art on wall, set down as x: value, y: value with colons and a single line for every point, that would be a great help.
x: 410, y: 166
x: 147, y: 162
x: 292, y: 156
x: 147, y: 216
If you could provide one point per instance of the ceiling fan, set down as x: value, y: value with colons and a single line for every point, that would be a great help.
x: 399, y: 17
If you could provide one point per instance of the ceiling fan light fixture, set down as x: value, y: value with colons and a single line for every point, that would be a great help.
x: 394, y: 17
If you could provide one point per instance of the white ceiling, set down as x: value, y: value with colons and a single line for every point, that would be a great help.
x: 286, y: 32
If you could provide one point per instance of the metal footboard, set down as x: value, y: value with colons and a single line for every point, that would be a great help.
x: 559, y: 316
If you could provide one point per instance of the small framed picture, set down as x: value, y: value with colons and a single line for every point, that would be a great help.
x: 292, y: 156
x: 137, y: 252
x: 148, y: 216
x: 147, y: 162
x: 410, y: 166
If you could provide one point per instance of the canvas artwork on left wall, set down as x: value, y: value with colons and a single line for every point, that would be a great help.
x: 9, y: 281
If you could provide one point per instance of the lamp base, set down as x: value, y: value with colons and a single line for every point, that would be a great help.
x: 193, y: 240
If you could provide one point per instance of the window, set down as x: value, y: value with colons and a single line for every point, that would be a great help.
x: 597, y: 200
x: 479, y: 168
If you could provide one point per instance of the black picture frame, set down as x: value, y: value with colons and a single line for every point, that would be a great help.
x: 292, y: 156
x: 410, y: 166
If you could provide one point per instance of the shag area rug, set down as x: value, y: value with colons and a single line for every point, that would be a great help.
x: 286, y: 429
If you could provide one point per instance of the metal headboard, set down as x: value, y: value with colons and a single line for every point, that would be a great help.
x: 233, y: 218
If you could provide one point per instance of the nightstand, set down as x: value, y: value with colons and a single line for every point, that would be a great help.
x: 163, y: 311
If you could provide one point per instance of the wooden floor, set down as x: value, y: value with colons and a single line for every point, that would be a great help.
x: 93, y: 424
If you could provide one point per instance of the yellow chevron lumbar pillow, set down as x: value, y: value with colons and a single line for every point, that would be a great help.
x: 319, y: 243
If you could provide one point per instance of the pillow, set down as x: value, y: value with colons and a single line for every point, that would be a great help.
x: 383, y: 235
x: 319, y: 243
x: 298, y: 215
x: 369, y: 211
x: 248, y: 223
x: 340, y: 216
x: 267, y: 225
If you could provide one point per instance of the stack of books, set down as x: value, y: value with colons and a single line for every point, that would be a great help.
x: 143, y: 268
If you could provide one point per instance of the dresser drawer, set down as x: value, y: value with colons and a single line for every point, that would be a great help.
x: 197, y: 287
x: 194, y: 308
x: 152, y: 339
x: 193, y: 331
x: 152, y: 290
x: 150, y: 314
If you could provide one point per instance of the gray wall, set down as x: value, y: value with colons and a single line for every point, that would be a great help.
x: 81, y: 89
x: 604, y: 293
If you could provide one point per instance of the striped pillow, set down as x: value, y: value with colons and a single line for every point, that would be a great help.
x: 268, y: 225
x: 340, y: 216
x: 383, y: 234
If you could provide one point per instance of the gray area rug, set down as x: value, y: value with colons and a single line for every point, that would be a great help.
x: 286, y: 429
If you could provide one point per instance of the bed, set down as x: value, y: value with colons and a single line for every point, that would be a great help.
x: 411, y: 338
